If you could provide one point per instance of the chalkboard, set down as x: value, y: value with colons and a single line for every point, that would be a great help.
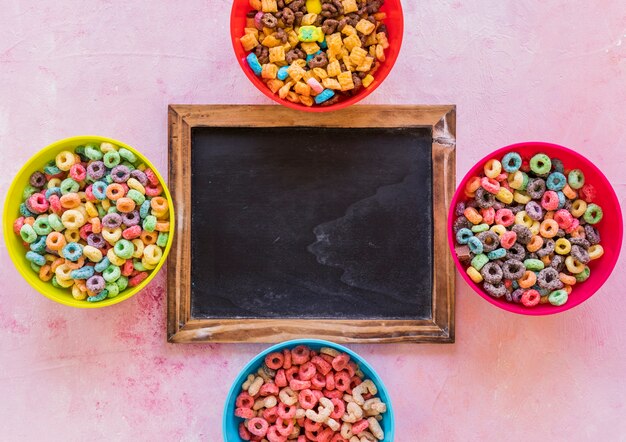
x: 313, y: 226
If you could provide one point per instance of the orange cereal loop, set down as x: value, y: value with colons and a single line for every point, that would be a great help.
x: 162, y: 226
x: 549, y: 214
x: 469, y: 195
x: 75, y: 265
x: 578, y: 232
x: 159, y: 204
x: 569, y: 192
x: 70, y: 200
x: 29, y: 220
x: 567, y: 279
x: 81, y: 284
x: 546, y: 260
x: 114, y: 191
x: 45, y: 272
x: 527, y: 280
x: 148, y: 237
x: 549, y: 228
x: 55, y: 241
x: 535, y: 243
x: 472, y: 184
x: 56, y: 263
x: 96, y: 225
x: 472, y: 215
x: 544, y: 300
x: 568, y: 289
x: 125, y: 205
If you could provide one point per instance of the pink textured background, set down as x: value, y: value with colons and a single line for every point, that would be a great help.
x: 553, y: 70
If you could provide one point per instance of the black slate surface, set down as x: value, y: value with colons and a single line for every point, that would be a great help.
x: 311, y: 223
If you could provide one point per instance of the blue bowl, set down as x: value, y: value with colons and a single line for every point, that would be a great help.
x: 230, y: 423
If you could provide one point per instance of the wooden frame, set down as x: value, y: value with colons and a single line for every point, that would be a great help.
x: 182, y: 328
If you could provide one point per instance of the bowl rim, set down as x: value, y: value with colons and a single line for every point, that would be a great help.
x: 8, y: 221
x: 514, y: 308
x: 301, y: 107
x: 235, y: 386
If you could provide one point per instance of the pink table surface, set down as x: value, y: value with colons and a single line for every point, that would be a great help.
x: 520, y: 70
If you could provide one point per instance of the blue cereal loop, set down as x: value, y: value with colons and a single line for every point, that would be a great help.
x: 99, y: 189
x: 323, y: 44
x: 325, y: 95
x: 144, y: 210
x: 463, y: 236
x: 497, y: 254
x: 53, y: 191
x: 103, y: 264
x: 72, y: 251
x: 312, y: 56
x: 24, y: 211
x: 84, y: 272
x: 556, y: 181
x: 511, y: 162
x: 35, y: 258
x: 39, y: 245
x: 282, y: 73
x: 52, y: 169
x: 254, y: 64
x: 562, y: 199
x: 475, y: 246
x: 99, y: 297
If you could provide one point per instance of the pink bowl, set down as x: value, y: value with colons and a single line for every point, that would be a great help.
x: 395, y: 30
x: 610, y: 228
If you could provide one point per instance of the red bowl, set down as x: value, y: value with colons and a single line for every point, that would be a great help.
x: 610, y: 227
x: 395, y: 29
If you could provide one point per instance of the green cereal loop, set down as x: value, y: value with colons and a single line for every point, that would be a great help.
x: 136, y: 196
x: 51, y: 168
x: 124, y: 249
x: 524, y: 181
x: 41, y: 226
x: 497, y: 254
x: 80, y: 150
x: 558, y: 297
x: 68, y: 185
x: 101, y: 211
x: 541, y: 164
x: 593, y: 214
x: 99, y: 297
x: 584, y: 275
x: 28, y: 233
x: 480, y: 228
x: 130, y: 166
x: 108, y: 179
x: 35, y: 267
x: 122, y: 283
x: 55, y: 222
x: 28, y: 191
x: 149, y: 223
x: 112, y: 209
x: 127, y: 155
x: 93, y: 152
x: 111, y: 159
x: 576, y: 179
x: 55, y: 283
x: 137, y: 265
x: 111, y: 273
x: 113, y: 290
x: 162, y: 239
x: 533, y: 264
x: 479, y: 261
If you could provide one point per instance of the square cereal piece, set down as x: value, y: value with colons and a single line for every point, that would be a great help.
x: 371, y: 39
x: 380, y: 53
x: 320, y: 73
x: 269, y: 6
x: 277, y: 54
x: 292, y: 38
x: 307, y: 101
x: 283, y: 91
x: 331, y: 83
x: 345, y: 81
x: 348, y: 64
x: 302, y: 89
x: 348, y: 30
x: 293, y: 97
x: 255, y: 4
x: 331, y: 54
x: 310, y: 47
x: 333, y: 68
x: 349, y: 6
x: 357, y: 56
x: 254, y: 31
x: 295, y: 72
x: 373, y: 51
x: 270, y: 70
x: 308, y: 19
x: 307, y: 75
x: 365, y: 27
x: 275, y: 85
x: 367, y: 80
x: 352, y: 42
x: 271, y: 42
x: 300, y: 62
x: 381, y: 38
x: 249, y: 42
x: 366, y: 65
x: 334, y: 41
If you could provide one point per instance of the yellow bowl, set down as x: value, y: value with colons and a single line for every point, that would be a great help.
x: 14, y: 244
